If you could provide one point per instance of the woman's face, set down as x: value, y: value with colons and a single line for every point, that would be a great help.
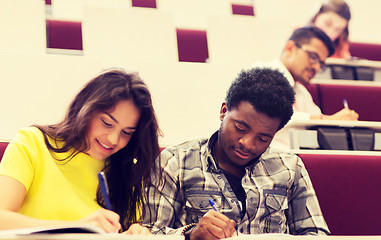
x: 331, y: 23
x: 110, y: 131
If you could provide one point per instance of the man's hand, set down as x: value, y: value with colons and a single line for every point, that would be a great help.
x: 344, y: 114
x: 213, y: 225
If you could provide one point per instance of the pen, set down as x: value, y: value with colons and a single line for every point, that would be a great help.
x: 345, y: 102
x: 213, y: 205
x: 104, y: 189
x: 215, y: 209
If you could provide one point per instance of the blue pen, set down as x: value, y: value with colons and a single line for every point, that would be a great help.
x: 104, y: 189
x: 215, y: 209
x: 345, y: 102
x: 213, y: 205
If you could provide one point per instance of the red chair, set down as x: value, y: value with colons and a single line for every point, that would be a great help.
x: 347, y: 187
x: 64, y: 34
x: 243, y: 9
x: 3, y: 146
x: 144, y: 3
x: 368, y: 51
x: 360, y: 98
x: 192, y: 45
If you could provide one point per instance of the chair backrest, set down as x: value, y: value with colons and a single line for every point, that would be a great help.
x: 3, y: 146
x: 347, y: 187
x: 64, y: 34
x: 360, y: 98
x: 192, y: 45
x: 144, y: 3
x: 241, y: 9
x: 370, y: 51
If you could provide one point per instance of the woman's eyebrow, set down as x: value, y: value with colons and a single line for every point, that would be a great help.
x: 114, y: 119
x: 108, y: 114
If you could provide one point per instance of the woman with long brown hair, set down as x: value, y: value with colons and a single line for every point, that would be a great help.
x: 48, y: 174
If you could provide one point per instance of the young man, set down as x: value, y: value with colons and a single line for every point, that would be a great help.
x: 255, y: 189
x: 303, y: 56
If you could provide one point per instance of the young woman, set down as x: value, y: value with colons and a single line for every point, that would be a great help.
x: 333, y: 17
x: 48, y: 174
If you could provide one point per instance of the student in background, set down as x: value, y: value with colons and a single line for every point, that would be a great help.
x: 255, y: 190
x: 303, y: 56
x: 48, y: 174
x: 333, y: 18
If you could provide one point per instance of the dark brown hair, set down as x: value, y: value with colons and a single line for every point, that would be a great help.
x: 339, y: 7
x: 126, y: 177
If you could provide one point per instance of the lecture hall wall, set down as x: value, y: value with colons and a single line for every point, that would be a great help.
x: 37, y: 84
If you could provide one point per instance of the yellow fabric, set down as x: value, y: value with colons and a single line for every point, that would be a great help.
x: 55, y: 190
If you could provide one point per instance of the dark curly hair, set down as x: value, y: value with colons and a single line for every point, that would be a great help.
x: 266, y: 89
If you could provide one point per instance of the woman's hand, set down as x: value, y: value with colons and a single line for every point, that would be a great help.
x: 104, y: 219
x: 138, y: 229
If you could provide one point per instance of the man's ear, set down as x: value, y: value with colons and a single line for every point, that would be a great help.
x: 223, y: 111
x: 290, y: 45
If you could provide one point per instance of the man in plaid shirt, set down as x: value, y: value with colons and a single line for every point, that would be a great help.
x: 255, y: 189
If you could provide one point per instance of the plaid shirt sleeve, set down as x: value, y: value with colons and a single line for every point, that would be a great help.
x: 165, y: 199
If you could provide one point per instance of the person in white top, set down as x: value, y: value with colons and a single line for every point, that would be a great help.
x: 303, y: 56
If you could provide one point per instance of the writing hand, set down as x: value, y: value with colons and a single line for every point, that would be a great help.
x: 214, y: 225
x: 345, y: 114
x: 104, y: 219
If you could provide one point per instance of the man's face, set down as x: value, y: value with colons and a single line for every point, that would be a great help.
x: 305, y: 60
x: 244, y: 135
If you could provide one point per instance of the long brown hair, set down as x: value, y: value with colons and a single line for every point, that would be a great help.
x: 339, y: 7
x: 126, y: 177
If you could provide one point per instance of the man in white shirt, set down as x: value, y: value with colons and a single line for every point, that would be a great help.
x: 303, y: 56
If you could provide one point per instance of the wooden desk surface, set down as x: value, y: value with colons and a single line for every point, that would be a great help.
x: 354, y: 62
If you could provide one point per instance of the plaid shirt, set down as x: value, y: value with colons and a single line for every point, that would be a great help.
x: 279, y: 194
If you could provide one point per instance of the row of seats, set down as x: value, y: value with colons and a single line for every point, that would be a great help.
x: 346, y: 187
x: 347, y: 190
x: 192, y: 44
x: 361, y: 98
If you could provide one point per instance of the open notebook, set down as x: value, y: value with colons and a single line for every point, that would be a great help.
x: 72, y: 229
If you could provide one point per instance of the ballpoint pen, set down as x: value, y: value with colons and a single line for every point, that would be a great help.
x: 104, y: 189
x: 345, y: 102
x: 215, y: 209
x: 213, y: 205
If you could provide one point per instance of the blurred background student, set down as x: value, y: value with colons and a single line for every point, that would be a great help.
x: 333, y: 18
x: 48, y: 174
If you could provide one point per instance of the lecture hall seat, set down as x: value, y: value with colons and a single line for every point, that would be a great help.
x: 144, y: 3
x: 347, y: 187
x: 369, y: 51
x: 239, y: 9
x: 3, y: 146
x: 362, y: 99
x: 64, y: 34
x: 192, y: 45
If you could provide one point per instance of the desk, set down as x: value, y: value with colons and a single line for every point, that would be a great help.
x: 353, y: 69
x: 301, y: 137
x: 139, y: 237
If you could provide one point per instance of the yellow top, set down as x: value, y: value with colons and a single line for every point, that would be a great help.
x: 56, y: 190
